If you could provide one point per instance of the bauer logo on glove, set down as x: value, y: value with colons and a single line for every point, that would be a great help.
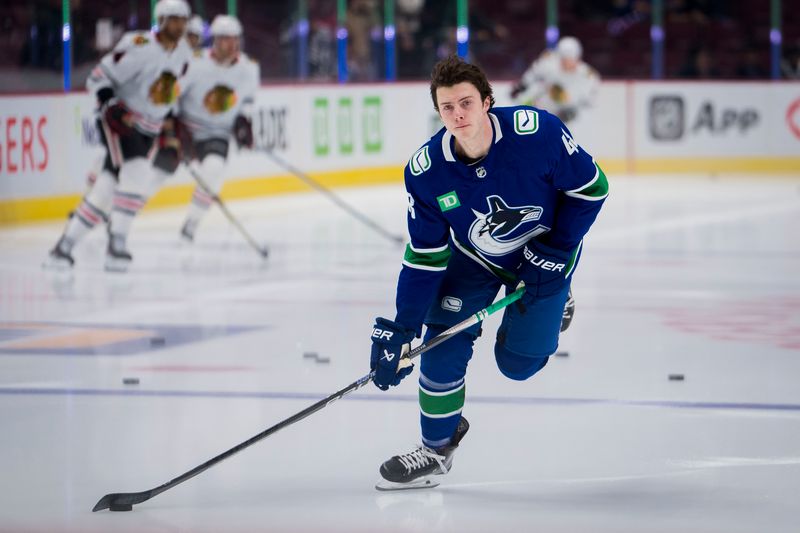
x: 542, y: 263
x: 544, y: 269
x: 382, y: 334
x: 390, y: 340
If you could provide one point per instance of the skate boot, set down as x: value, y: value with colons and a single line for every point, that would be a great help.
x: 413, y: 470
x: 187, y: 231
x: 118, y: 259
x: 569, y: 312
x: 60, y: 257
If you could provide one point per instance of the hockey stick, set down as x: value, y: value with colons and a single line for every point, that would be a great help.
x: 334, y: 198
x: 124, y: 501
x: 263, y: 252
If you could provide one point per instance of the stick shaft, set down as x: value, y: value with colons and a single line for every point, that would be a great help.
x: 138, y: 497
x: 333, y: 197
x: 232, y: 219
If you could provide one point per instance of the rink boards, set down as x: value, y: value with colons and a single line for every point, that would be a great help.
x: 361, y: 134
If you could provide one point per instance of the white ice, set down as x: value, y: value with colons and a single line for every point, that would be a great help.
x: 681, y: 275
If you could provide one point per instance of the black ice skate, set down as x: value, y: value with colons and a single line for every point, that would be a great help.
x: 413, y: 470
x: 187, y: 231
x: 118, y: 259
x: 59, y: 257
x: 569, y: 312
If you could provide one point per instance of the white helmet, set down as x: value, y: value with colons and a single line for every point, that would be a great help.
x: 171, y: 8
x: 226, y: 25
x: 195, y: 25
x: 569, y: 48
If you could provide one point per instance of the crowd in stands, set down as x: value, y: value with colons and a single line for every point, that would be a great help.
x: 704, y: 39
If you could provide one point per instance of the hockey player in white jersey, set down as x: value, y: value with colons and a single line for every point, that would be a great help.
x: 194, y: 32
x: 216, y: 103
x: 558, y: 81
x: 136, y: 85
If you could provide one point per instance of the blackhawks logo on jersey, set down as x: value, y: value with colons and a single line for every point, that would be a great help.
x: 219, y: 99
x: 504, y: 229
x: 165, y: 89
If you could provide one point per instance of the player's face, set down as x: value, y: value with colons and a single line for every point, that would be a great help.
x: 174, y: 27
x: 194, y: 40
x: 461, y: 109
x: 569, y: 64
x: 225, y: 47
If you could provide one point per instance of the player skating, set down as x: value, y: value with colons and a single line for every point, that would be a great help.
x: 498, y: 196
x: 216, y: 103
x: 558, y: 81
x: 136, y: 85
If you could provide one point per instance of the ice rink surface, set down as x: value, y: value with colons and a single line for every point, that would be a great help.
x: 680, y: 275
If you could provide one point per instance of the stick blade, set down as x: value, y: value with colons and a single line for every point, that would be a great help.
x: 121, y: 501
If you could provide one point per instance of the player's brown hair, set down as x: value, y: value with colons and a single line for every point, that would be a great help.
x: 453, y: 70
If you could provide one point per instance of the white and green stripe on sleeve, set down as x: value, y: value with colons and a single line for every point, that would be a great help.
x: 595, y: 190
x: 433, y: 259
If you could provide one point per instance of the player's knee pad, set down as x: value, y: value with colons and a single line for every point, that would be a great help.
x: 517, y: 366
x: 212, y: 170
x: 101, y: 195
x: 135, y: 176
x: 446, y: 363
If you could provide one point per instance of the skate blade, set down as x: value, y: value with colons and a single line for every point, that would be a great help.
x: 422, y: 483
x: 57, y: 265
x: 117, y: 265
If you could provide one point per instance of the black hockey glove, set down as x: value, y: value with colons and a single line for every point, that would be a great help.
x: 390, y: 342
x: 169, y: 152
x: 243, y: 131
x: 117, y: 117
x: 543, y: 269
x: 517, y: 89
x: 567, y: 114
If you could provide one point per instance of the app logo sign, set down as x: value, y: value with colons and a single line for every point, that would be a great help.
x: 669, y: 119
x: 666, y: 118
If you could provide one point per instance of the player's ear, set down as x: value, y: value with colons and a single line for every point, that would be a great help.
x: 487, y: 103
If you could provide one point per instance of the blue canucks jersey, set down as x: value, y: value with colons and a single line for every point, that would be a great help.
x: 534, y: 183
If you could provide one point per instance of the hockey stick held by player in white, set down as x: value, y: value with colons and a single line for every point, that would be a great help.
x: 124, y: 501
x: 334, y: 198
x: 262, y: 250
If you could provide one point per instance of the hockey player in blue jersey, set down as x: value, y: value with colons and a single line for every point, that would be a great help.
x: 497, y: 197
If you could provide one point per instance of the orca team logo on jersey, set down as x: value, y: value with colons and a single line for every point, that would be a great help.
x: 491, y: 233
x: 526, y: 121
x: 420, y: 161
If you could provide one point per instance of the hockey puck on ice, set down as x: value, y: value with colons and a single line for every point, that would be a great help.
x: 310, y: 355
x: 323, y: 359
x: 562, y: 354
x: 130, y: 381
x: 120, y: 507
x: 676, y: 377
x: 157, y: 341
